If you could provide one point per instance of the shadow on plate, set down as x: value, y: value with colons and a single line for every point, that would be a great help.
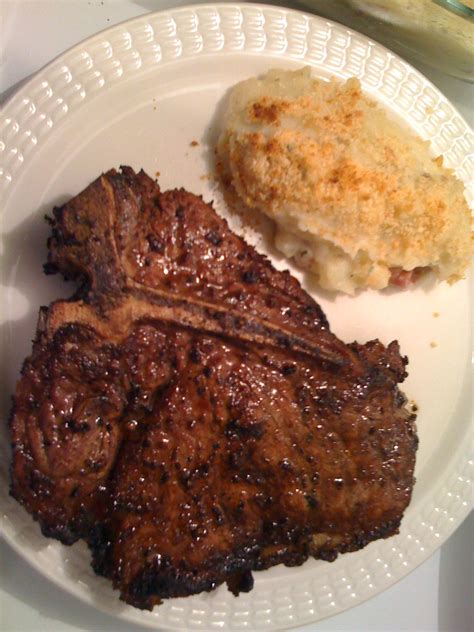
x: 455, y: 609
x: 27, y: 585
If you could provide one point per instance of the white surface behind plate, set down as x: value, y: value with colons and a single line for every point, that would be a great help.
x: 430, y: 622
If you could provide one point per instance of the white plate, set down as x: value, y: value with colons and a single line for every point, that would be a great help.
x: 138, y: 94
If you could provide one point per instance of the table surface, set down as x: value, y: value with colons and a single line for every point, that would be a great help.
x: 437, y: 596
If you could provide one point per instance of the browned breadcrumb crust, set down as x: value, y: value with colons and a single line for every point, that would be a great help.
x: 347, y: 186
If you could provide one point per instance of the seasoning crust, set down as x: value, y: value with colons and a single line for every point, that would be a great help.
x: 189, y: 413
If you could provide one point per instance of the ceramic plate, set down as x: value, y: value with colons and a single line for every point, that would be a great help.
x: 139, y: 94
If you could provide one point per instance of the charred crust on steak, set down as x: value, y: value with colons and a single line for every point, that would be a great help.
x: 189, y: 413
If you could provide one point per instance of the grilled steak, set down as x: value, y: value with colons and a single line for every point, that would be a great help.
x: 189, y: 412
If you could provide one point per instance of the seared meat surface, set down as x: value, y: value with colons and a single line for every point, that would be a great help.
x: 189, y: 413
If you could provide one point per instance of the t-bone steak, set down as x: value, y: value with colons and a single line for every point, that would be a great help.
x: 189, y: 413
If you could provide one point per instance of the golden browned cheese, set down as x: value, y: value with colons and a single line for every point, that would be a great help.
x: 355, y: 194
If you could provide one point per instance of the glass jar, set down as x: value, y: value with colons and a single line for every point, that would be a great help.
x: 437, y: 32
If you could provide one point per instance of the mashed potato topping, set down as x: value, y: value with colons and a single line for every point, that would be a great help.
x: 355, y: 196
